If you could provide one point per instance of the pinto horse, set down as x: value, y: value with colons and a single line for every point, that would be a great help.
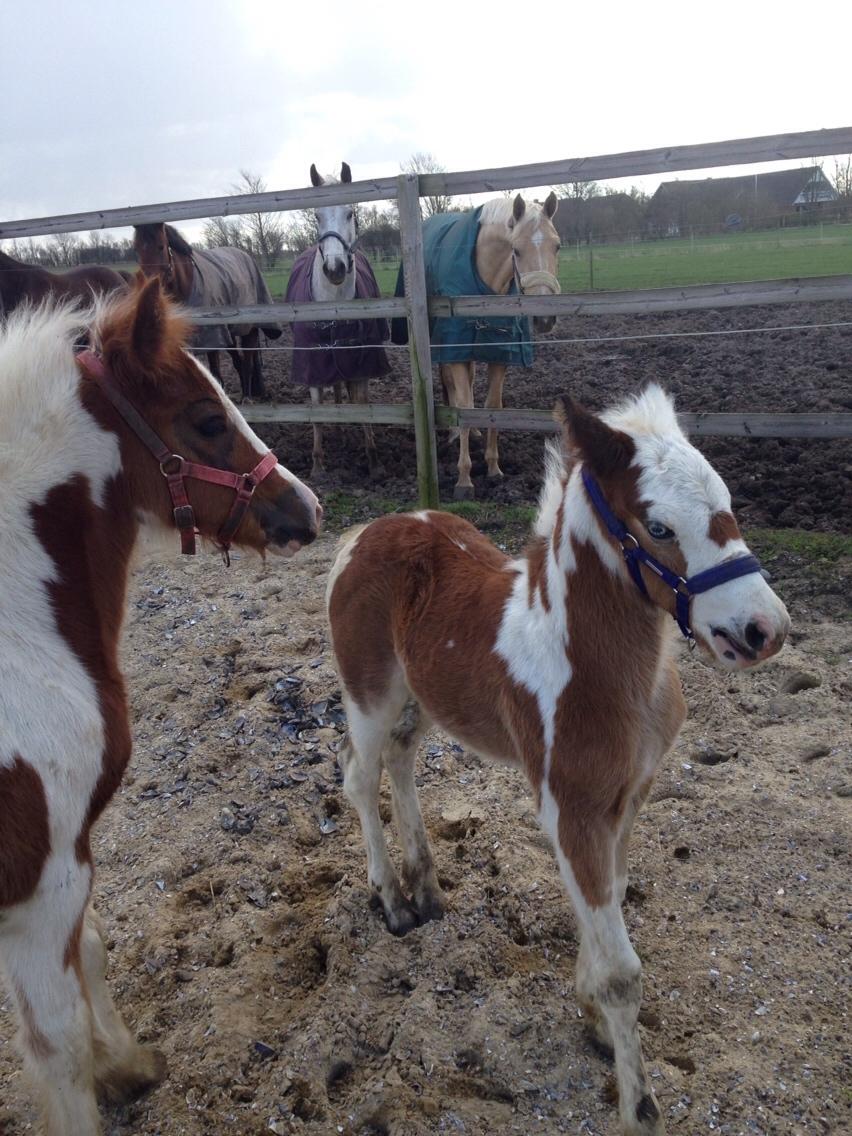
x: 88, y: 459
x: 31, y: 282
x: 215, y: 278
x: 332, y: 353
x: 574, y: 680
x: 501, y: 247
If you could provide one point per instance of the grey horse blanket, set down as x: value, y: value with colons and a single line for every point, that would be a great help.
x: 353, y: 350
x: 226, y: 278
x: 449, y: 251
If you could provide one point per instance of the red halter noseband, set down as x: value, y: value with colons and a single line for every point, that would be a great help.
x: 174, y: 468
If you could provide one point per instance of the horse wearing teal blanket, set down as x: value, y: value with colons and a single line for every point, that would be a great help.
x: 500, y: 248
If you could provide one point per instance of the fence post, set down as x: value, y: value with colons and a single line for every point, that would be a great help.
x: 411, y: 237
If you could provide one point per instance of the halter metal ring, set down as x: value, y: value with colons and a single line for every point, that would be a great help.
x: 172, y: 458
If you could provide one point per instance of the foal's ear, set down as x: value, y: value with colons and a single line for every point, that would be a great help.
x: 551, y: 204
x: 316, y: 176
x: 604, y: 450
x: 345, y: 173
x: 148, y: 335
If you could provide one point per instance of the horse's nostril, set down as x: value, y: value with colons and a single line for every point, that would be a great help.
x: 755, y: 636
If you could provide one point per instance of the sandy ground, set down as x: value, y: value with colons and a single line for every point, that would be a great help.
x: 231, y: 875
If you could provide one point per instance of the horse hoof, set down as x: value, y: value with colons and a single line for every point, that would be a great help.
x: 401, y: 920
x: 495, y: 477
x: 463, y: 493
x: 430, y: 906
x: 120, y: 1086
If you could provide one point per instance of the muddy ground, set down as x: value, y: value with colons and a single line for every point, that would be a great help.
x: 792, y: 483
x: 231, y: 871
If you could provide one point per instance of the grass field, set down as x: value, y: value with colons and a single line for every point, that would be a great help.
x: 778, y: 254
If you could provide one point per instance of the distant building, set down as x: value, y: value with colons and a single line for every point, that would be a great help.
x: 750, y: 200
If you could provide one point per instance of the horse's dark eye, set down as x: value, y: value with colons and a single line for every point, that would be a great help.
x: 210, y: 427
x: 659, y: 531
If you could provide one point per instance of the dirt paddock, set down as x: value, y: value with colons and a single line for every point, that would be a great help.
x: 232, y: 878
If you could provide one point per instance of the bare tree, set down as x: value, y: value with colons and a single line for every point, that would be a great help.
x: 578, y: 190
x: 843, y: 176
x: 64, y: 250
x: 218, y: 232
x: 265, y: 232
x: 424, y: 162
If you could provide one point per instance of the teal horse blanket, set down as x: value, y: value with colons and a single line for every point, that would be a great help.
x: 449, y: 251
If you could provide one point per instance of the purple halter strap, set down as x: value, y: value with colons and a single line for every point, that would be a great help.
x: 684, y: 588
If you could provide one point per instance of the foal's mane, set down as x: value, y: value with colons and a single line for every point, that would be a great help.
x: 650, y: 413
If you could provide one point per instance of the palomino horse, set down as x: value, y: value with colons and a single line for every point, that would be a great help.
x: 574, y: 682
x: 502, y: 247
x: 334, y: 352
x: 88, y: 458
x: 213, y: 278
x: 31, y: 282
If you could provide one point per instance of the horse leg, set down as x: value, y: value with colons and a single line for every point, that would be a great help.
x: 361, y: 761
x: 253, y: 365
x: 418, y: 870
x: 609, y: 973
x: 459, y: 379
x: 318, y: 463
x: 360, y: 393
x: 239, y: 361
x: 213, y: 364
x: 39, y: 944
x: 123, y: 1068
x: 494, y: 401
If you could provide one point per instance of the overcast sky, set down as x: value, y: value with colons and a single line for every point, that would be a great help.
x: 111, y: 103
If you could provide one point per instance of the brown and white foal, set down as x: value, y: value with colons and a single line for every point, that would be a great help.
x: 79, y: 484
x: 558, y: 661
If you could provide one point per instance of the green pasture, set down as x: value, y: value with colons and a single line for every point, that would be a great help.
x: 773, y: 255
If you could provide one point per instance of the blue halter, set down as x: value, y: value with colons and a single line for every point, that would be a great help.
x: 683, y: 588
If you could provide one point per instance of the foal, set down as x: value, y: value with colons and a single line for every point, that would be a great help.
x: 82, y: 474
x: 568, y: 647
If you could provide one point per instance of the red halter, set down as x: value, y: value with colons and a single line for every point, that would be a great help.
x: 174, y: 468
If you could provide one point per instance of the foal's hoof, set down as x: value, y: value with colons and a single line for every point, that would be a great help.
x: 123, y: 1085
x: 430, y: 906
x: 463, y: 493
x: 401, y: 920
x: 648, y: 1120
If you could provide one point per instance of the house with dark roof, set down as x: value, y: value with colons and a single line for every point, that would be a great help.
x: 749, y: 200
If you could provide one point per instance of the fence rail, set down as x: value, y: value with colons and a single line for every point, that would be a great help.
x: 417, y: 307
x: 701, y: 423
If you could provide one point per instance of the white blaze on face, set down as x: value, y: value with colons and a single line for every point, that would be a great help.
x: 680, y: 489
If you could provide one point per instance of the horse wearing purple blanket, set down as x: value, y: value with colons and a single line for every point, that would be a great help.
x: 331, y: 353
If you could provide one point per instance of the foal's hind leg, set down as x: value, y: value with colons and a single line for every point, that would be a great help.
x: 361, y: 761
x: 37, y: 940
x: 123, y: 1068
x: 418, y: 871
x: 359, y: 393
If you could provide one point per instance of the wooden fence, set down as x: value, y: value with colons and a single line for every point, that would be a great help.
x: 417, y: 307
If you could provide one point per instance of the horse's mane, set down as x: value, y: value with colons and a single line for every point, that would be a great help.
x: 10, y: 262
x: 650, y: 413
x: 37, y: 371
x: 498, y: 211
x: 177, y: 242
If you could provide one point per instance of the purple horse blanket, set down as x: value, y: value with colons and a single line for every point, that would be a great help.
x: 352, y: 349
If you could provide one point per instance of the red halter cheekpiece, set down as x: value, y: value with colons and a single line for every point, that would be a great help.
x: 174, y: 468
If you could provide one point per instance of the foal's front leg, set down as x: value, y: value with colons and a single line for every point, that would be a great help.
x: 609, y: 973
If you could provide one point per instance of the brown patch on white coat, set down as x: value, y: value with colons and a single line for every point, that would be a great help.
x: 78, y: 488
x: 419, y: 603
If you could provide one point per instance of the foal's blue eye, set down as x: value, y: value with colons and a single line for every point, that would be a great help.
x: 659, y: 531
